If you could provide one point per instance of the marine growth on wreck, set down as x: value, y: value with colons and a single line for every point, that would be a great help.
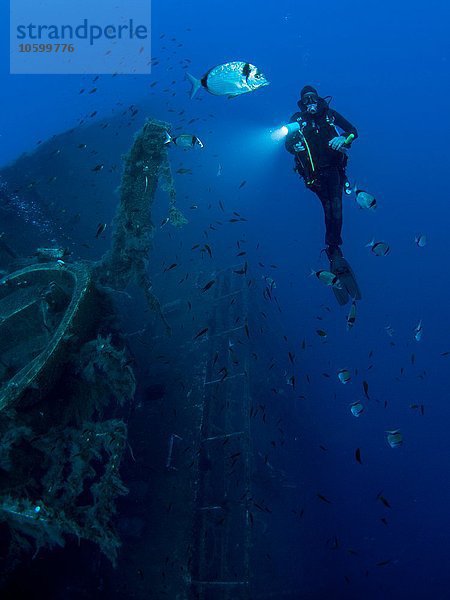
x: 63, y: 381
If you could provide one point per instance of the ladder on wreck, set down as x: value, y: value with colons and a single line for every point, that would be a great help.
x: 220, y: 560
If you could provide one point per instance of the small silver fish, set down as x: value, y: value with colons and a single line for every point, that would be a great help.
x: 184, y: 140
x: 421, y: 240
x: 328, y: 278
x: 418, y: 331
x: 389, y: 330
x: 100, y: 229
x: 230, y: 79
x: 394, y: 438
x: 379, y: 248
x: 356, y: 408
x: 365, y: 200
x: 344, y: 376
x: 270, y: 282
x: 351, y: 317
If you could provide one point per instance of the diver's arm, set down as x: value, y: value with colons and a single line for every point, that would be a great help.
x: 292, y: 139
x: 345, y: 125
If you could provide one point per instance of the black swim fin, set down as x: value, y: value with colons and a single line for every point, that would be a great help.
x: 350, y: 288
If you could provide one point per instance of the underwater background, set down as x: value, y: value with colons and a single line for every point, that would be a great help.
x: 330, y: 522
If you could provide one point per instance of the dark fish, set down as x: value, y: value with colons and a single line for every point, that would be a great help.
x: 172, y: 266
x: 366, y: 389
x: 208, y: 250
x: 383, y: 500
x: 242, y: 271
x: 184, y: 171
x: 383, y: 563
x: 100, y: 229
x: 201, y: 332
x: 97, y: 168
x: 224, y: 372
x: 241, y: 185
x: 358, y: 456
x: 208, y: 285
x: 323, y: 498
x: 291, y: 357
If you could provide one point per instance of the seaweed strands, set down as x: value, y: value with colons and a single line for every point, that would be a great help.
x: 146, y: 166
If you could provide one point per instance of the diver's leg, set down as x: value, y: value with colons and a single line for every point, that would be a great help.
x: 338, y: 264
x: 330, y: 195
x: 335, y: 189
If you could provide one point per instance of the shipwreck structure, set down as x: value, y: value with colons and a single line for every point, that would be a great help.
x: 60, y: 373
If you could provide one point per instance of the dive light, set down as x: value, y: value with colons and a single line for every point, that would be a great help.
x: 285, y: 130
x: 291, y: 128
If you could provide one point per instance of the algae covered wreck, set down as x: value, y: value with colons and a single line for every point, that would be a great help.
x: 66, y: 373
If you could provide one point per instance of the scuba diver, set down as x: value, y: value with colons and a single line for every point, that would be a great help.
x: 320, y: 152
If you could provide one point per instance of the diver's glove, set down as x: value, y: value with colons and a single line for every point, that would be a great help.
x: 299, y: 147
x: 337, y: 142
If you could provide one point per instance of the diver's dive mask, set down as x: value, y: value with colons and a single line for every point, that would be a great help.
x: 310, y: 102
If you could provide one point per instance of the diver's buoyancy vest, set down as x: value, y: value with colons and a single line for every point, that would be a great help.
x: 318, y: 132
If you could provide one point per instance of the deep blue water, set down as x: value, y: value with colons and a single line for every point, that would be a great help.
x: 387, y: 67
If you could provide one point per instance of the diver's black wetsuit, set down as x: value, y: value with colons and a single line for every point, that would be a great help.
x: 322, y: 168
